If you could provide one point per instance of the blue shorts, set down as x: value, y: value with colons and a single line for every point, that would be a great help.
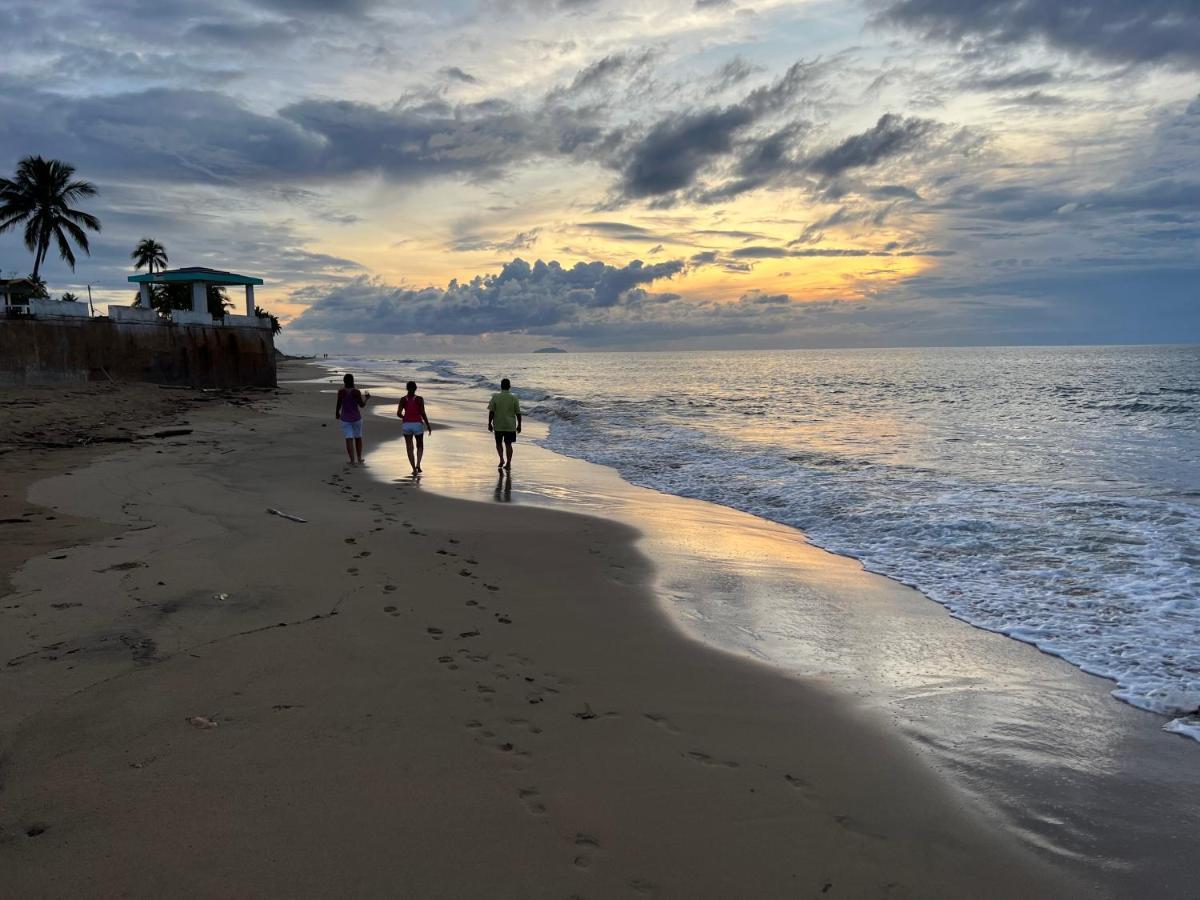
x: 413, y: 428
x: 351, y: 429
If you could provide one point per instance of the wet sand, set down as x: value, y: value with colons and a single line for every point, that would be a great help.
x: 1088, y: 782
x: 417, y: 695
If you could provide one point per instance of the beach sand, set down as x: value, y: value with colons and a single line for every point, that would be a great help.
x: 406, y: 695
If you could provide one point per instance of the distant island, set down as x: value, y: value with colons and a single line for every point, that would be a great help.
x: 550, y: 350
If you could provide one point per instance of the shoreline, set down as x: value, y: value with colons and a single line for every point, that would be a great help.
x: 513, y: 716
x: 1087, y: 781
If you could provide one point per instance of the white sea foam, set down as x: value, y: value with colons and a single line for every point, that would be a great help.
x: 1057, y: 518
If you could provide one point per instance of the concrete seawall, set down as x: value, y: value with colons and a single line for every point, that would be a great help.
x: 61, y: 350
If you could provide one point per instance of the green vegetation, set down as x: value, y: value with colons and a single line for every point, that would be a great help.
x: 150, y: 255
x: 39, y: 195
x: 267, y: 314
x: 68, y: 297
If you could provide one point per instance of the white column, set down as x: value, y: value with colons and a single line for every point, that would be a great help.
x: 144, y: 296
x: 199, y: 296
x: 250, y: 300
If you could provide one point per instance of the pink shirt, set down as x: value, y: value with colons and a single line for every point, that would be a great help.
x: 350, y: 398
x: 411, y: 408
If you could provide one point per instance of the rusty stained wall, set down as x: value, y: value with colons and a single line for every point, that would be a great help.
x: 48, y: 351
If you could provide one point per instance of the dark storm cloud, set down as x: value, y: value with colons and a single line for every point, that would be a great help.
x: 891, y: 136
x: 540, y: 298
x: 161, y: 133
x: 205, y: 136
x: 675, y: 151
x: 548, y: 300
x: 1117, y: 31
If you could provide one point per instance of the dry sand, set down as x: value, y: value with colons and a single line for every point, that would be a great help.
x: 410, y: 696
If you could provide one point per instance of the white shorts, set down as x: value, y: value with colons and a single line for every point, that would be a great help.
x: 413, y: 428
x: 352, y: 429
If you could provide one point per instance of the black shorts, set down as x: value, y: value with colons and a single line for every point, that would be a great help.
x: 507, y: 436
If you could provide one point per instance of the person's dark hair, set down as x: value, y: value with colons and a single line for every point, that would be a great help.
x: 348, y: 380
x: 505, y: 384
x: 412, y: 387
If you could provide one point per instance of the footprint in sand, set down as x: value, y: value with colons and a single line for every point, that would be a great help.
x: 661, y: 722
x: 644, y: 887
x: 389, y: 588
x: 531, y: 797
x: 350, y: 540
x: 855, y: 827
x: 586, y: 845
x: 705, y: 759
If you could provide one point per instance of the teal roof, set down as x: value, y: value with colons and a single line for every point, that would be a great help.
x: 195, y: 273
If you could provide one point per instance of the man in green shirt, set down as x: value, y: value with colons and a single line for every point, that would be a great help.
x: 504, y: 420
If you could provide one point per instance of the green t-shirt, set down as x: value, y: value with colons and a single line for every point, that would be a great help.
x: 504, y: 408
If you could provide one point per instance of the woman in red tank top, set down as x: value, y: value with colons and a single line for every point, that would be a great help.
x: 411, y: 412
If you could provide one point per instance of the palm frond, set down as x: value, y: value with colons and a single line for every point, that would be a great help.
x: 64, y: 248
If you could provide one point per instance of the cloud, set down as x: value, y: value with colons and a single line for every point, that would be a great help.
x: 454, y: 73
x: 891, y: 136
x: 604, y: 70
x: 1115, y: 31
x: 672, y: 155
x: 1007, y: 81
x: 521, y: 241
x: 544, y: 298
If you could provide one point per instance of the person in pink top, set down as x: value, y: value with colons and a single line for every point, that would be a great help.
x: 415, y: 424
x: 348, y: 412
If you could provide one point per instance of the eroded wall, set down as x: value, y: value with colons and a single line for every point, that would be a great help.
x: 48, y: 351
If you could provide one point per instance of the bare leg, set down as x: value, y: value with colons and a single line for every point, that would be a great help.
x: 358, y: 448
x: 350, y: 449
x: 408, y: 439
x: 500, y: 453
x: 420, y: 450
x: 508, y: 449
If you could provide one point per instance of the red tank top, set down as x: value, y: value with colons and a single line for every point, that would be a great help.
x: 411, y: 408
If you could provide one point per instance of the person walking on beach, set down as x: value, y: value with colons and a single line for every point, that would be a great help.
x: 411, y: 412
x: 350, y: 401
x: 504, y: 420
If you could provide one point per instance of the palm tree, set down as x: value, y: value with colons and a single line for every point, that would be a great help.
x: 150, y: 255
x: 40, y: 196
x: 38, y: 285
x: 266, y: 314
x: 68, y: 297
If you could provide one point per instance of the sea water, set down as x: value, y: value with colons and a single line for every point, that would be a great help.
x: 1049, y: 494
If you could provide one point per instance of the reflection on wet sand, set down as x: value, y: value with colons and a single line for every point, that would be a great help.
x: 1082, y: 777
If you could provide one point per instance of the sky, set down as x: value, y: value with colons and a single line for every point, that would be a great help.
x: 604, y: 174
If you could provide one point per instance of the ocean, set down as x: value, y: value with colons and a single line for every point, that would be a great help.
x: 1050, y: 494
